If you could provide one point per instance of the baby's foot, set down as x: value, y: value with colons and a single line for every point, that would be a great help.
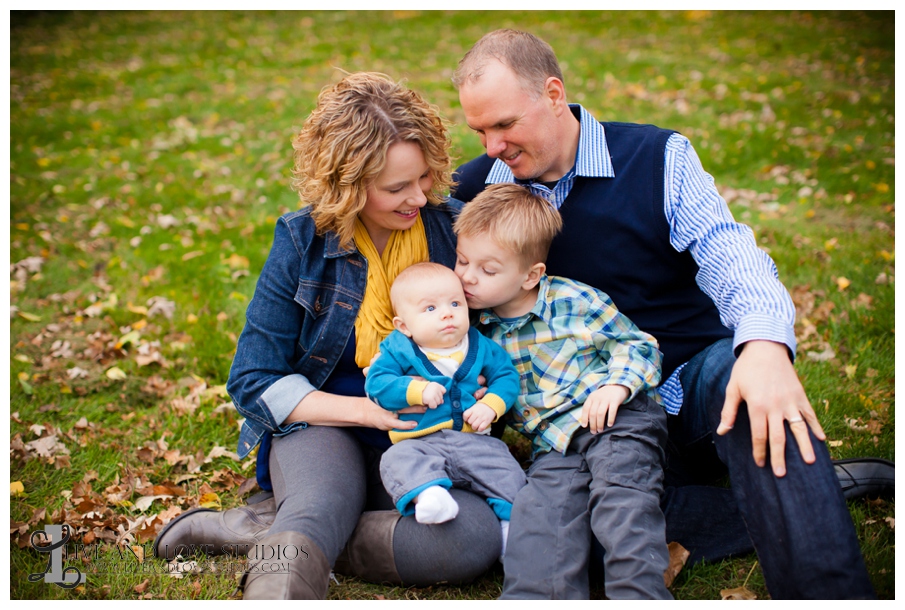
x: 435, y: 505
x: 504, y: 529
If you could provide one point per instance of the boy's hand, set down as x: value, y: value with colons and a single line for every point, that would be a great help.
x: 600, y: 408
x: 479, y: 417
x: 432, y: 396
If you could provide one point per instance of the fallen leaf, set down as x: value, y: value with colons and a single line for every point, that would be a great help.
x: 144, y: 503
x: 678, y: 555
x: 16, y: 488
x: 843, y: 283
x: 160, y: 305
x: 891, y: 522
x: 850, y: 370
x: 115, y: 373
x: 737, y: 593
x: 142, y: 587
x: 834, y: 443
x: 29, y: 316
x: 827, y: 354
x: 210, y: 500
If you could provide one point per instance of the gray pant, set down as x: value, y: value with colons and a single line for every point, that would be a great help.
x: 476, y: 462
x: 609, y: 484
x: 323, y: 478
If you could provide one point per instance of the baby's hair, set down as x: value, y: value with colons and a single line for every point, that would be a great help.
x: 515, y: 218
x: 415, y: 273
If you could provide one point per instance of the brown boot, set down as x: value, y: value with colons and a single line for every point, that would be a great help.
x: 213, y: 532
x: 369, y: 552
x: 287, y: 565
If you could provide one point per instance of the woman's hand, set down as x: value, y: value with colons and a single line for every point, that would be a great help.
x: 377, y: 417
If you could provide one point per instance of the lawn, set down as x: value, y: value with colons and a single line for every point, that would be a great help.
x: 150, y: 157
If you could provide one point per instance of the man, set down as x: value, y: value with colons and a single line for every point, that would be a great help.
x: 644, y: 223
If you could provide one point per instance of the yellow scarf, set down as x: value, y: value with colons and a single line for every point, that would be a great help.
x: 375, y: 319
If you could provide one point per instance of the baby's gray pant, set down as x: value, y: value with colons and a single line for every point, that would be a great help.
x: 476, y: 462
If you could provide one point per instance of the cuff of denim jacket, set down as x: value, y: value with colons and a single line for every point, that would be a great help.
x: 283, y: 396
x: 760, y: 327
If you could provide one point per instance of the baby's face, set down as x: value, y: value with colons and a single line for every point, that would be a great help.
x: 433, y: 312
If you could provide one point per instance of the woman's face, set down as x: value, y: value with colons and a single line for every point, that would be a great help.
x: 397, y: 194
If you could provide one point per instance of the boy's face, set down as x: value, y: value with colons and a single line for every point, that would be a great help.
x: 433, y: 312
x: 492, y: 276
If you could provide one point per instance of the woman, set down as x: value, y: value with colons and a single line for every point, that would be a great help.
x: 371, y: 163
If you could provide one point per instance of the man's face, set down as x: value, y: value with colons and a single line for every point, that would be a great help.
x: 515, y: 126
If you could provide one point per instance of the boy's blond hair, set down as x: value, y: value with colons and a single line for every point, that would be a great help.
x: 342, y: 147
x: 515, y: 218
x: 416, y: 273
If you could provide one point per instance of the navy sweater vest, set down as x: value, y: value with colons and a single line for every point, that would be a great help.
x: 615, y: 237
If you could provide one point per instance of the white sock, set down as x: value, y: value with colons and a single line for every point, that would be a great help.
x: 504, y: 529
x: 435, y: 505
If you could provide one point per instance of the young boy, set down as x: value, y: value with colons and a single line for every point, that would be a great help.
x: 580, y: 362
x: 451, y: 444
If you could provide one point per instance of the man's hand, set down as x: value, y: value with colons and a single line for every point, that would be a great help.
x: 479, y: 416
x: 600, y: 408
x: 763, y: 376
x: 432, y: 396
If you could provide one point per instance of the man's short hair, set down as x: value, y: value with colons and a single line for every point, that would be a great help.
x: 417, y: 273
x: 515, y: 218
x: 530, y: 58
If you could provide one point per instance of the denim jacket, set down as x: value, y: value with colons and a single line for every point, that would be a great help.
x: 302, y: 314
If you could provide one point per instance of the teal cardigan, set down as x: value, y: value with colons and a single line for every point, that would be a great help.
x: 390, y: 385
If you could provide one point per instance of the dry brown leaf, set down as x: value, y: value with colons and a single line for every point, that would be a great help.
x: 737, y: 593
x: 678, y: 555
x: 141, y: 588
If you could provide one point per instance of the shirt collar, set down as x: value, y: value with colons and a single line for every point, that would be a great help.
x: 540, y: 310
x: 591, y: 161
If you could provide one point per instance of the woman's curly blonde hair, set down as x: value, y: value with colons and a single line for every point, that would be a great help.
x: 343, y: 145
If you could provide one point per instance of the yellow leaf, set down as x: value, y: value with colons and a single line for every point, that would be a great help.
x: 23, y: 358
x: 139, y: 325
x: 29, y: 316
x: 130, y: 337
x: 882, y: 187
x: 126, y: 222
x: 737, y: 593
x: 238, y: 296
x: 236, y: 261
x: 210, y: 500
x: 190, y: 255
x: 16, y: 488
x: 115, y: 373
x: 843, y: 283
x: 191, y: 318
x: 834, y: 443
x: 139, y: 309
x: 850, y: 370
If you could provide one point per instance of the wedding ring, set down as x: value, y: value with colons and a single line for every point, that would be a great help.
x: 796, y: 420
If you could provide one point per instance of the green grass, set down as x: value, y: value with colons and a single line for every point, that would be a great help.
x: 150, y: 155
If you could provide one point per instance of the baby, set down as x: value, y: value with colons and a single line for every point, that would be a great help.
x: 434, y: 358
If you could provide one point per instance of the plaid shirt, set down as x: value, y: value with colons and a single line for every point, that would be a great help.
x: 571, y: 343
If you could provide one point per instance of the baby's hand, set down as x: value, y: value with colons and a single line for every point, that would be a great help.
x: 479, y: 417
x: 432, y: 396
x: 600, y: 408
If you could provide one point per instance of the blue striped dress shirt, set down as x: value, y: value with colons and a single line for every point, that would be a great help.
x: 741, y: 278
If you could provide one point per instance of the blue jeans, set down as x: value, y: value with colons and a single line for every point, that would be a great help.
x: 799, y: 524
